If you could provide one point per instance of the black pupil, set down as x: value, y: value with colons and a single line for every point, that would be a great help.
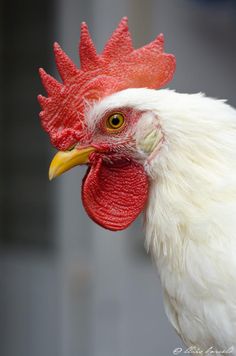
x: 115, y: 121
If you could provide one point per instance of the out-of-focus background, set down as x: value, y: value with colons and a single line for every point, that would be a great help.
x: 67, y: 286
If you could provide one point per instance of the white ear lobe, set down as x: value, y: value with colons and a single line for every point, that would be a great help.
x: 149, y: 135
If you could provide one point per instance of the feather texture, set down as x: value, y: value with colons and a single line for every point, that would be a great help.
x: 190, y: 216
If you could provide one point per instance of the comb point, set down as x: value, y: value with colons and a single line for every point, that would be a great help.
x: 42, y: 100
x: 51, y: 85
x: 89, y: 59
x: 65, y: 66
x: 119, y: 40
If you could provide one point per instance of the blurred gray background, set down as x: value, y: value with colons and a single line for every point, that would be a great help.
x: 67, y: 286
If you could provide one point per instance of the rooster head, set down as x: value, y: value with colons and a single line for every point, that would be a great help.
x: 97, y: 117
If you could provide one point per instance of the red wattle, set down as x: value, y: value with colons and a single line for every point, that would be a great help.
x: 114, y: 194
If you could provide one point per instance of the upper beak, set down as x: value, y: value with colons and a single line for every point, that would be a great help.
x: 63, y: 161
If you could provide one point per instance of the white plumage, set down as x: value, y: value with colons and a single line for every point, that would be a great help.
x: 187, y: 144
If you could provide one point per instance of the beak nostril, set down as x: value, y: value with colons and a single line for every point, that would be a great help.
x: 71, y: 148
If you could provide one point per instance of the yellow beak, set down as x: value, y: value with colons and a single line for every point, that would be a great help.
x: 63, y: 161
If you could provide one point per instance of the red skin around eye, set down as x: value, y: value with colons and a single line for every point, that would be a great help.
x: 130, y: 119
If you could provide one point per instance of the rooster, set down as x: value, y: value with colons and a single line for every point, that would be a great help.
x: 167, y: 154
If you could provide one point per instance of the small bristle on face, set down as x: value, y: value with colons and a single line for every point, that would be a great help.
x: 118, y: 67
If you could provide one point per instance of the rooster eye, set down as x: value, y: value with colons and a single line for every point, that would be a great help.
x: 115, y: 121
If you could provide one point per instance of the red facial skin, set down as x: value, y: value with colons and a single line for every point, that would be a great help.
x: 115, y: 188
x: 116, y: 141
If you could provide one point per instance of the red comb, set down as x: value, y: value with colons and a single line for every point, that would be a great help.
x: 118, y: 67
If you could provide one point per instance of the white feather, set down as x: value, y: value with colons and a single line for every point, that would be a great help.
x: 191, y: 212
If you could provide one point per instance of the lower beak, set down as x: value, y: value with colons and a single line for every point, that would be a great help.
x: 63, y: 161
